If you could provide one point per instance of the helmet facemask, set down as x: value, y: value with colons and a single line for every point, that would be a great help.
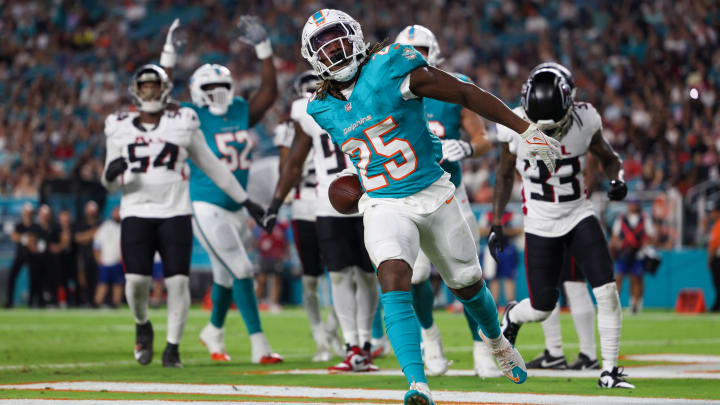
x: 150, y: 99
x: 547, y: 100
x: 212, y: 86
x: 335, y: 51
x: 218, y: 97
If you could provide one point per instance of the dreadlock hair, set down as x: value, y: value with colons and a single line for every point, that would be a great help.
x: 329, y: 86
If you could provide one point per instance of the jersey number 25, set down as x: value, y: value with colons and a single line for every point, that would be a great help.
x: 363, y: 149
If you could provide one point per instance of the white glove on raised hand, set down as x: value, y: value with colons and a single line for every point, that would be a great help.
x: 168, y: 57
x: 540, y: 146
x: 454, y: 150
x: 252, y: 32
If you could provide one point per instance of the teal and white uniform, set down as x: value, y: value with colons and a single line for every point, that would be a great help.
x: 409, y: 202
x: 445, y: 121
x: 218, y: 221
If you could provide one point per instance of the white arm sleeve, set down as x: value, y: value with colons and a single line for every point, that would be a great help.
x: 201, y: 154
x: 405, y: 91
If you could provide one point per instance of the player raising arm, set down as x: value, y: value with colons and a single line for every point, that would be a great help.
x: 558, y: 215
x: 218, y: 220
x: 146, y: 158
x: 370, y: 103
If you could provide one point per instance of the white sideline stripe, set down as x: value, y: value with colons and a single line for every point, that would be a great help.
x: 675, y: 358
x: 692, y: 371
x: 147, y: 402
x: 349, y: 393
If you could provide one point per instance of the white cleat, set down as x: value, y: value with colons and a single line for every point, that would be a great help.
x: 484, y: 362
x: 261, y: 352
x: 321, y: 356
x: 380, y: 347
x: 509, y: 360
x: 614, y: 379
x: 418, y: 394
x: 214, y: 339
x: 433, y: 354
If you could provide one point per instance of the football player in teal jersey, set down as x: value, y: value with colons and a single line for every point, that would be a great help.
x: 218, y: 222
x: 446, y: 120
x: 371, y: 104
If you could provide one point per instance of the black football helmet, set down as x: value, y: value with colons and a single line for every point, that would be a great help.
x: 548, y: 96
x: 306, y: 83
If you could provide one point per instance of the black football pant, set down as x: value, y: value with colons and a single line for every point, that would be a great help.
x: 20, y: 260
x: 544, y: 259
x: 140, y: 238
x: 715, y: 268
x: 308, y: 247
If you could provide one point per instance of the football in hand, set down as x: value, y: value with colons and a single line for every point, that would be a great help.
x: 344, y: 193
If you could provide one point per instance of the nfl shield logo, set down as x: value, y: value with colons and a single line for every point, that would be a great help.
x: 348, y: 107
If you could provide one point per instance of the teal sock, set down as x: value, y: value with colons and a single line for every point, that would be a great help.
x: 377, y: 325
x: 246, y: 302
x: 482, y: 308
x: 472, y: 323
x: 221, y: 298
x: 423, y: 299
x: 401, y: 325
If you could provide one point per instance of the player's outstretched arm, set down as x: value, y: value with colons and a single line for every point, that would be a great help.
x: 252, y: 32
x: 475, y: 127
x: 290, y: 175
x: 612, y: 165
x: 434, y: 83
x: 168, y: 57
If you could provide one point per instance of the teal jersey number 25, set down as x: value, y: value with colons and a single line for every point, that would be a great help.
x: 444, y: 120
x: 386, y: 136
x: 228, y: 138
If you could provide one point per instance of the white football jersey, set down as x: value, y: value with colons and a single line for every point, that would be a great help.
x: 329, y: 160
x: 554, y: 203
x: 305, y: 194
x: 155, y: 184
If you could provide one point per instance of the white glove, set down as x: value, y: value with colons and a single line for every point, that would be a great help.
x: 539, y: 145
x: 168, y: 57
x: 454, y: 150
x: 252, y: 32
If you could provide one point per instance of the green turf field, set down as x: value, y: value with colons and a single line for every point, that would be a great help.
x: 88, y: 345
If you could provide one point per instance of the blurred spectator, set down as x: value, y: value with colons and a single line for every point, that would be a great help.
x: 714, y: 254
x: 87, y: 271
x: 631, y: 232
x: 273, y: 250
x: 107, y: 254
x: 66, y: 260
x: 21, y: 235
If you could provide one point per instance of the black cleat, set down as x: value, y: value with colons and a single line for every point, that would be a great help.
x: 614, y: 379
x: 546, y: 361
x: 171, y: 356
x: 583, y: 362
x: 509, y: 329
x: 144, y: 343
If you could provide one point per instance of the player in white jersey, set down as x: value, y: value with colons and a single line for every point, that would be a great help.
x: 354, y: 285
x: 305, y: 231
x: 146, y: 153
x: 558, y: 215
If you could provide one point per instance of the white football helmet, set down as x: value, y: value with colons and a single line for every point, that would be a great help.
x: 148, y: 102
x: 202, y: 92
x: 306, y: 83
x: 325, y: 28
x: 419, y: 36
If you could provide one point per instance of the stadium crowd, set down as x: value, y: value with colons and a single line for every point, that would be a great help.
x: 654, y: 74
